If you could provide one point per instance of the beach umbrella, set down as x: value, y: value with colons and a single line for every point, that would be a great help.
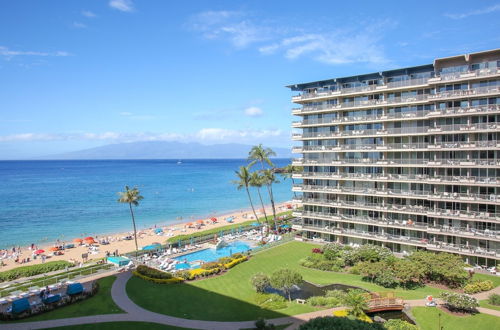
x: 214, y: 219
x: 39, y: 251
x: 285, y: 226
x: 199, y: 222
x: 78, y: 240
x: 158, y: 230
x: 90, y: 238
x: 189, y: 224
x: 54, y: 249
x: 255, y: 224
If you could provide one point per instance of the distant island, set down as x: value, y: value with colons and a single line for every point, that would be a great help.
x: 164, y: 150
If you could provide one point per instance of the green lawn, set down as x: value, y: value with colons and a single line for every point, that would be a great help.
x: 485, y: 304
x: 121, y: 326
x: 100, y: 303
x: 427, y: 319
x: 230, y: 297
x: 132, y: 326
x: 483, y: 277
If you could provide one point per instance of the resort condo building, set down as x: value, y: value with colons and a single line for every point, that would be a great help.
x: 407, y: 158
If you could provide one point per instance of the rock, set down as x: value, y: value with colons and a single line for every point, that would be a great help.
x: 378, y: 319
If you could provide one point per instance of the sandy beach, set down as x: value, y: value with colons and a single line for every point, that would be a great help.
x: 144, y: 237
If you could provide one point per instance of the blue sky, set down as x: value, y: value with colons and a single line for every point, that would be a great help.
x: 79, y: 74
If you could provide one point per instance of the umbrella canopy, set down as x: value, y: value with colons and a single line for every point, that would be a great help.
x: 54, y: 248
x: 89, y: 241
x: 255, y: 224
x: 88, y: 238
x: 285, y: 226
x: 189, y: 224
x: 78, y: 240
x: 39, y: 251
x: 199, y: 221
x: 158, y: 230
x: 151, y: 247
x: 213, y: 219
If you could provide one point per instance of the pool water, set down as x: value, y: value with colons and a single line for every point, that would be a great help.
x: 192, y: 260
x: 119, y: 261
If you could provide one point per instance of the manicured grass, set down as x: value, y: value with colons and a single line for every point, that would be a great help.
x: 428, y: 319
x: 100, y: 303
x: 485, y: 304
x: 483, y: 277
x: 121, y: 326
x: 230, y: 297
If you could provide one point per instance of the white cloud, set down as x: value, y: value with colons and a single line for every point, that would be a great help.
x: 205, y: 135
x: 476, y: 12
x: 9, y: 53
x: 122, y: 5
x: 253, y: 111
x: 358, y: 44
x: 79, y: 25
x: 230, y: 25
x: 88, y: 13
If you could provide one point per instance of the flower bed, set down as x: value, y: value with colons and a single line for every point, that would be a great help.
x: 155, y: 275
x: 212, y: 268
x: 478, y: 286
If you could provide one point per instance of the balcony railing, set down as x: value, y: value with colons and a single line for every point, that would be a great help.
x: 419, y: 241
x: 422, y: 178
x: 398, y: 84
x: 410, y: 224
x: 402, y: 131
x: 399, y: 192
x: 397, y: 162
x: 407, y: 209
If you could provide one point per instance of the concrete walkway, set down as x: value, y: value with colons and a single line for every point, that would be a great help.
x: 134, y: 312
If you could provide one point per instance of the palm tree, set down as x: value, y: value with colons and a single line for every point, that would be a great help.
x: 261, y: 155
x: 269, y: 179
x: 256, y: 181
x: 131, y: 196
x: 356, y: 301
x: 288, y: 172
x: 244, y: 177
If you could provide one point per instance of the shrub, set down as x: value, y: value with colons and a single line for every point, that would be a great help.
x: 261, y: 324
x: 441, y: 267
x: 339, y: 294
x: 270, y: 301
x: 494, y: 299
x: 478, y: 286
x: 408, y: 273
x: 345, y: 313
x: 356, y: 301
x: 210, y: 265
x: 152, y: 272
x: 260, y: 282
x: 237, y: 255
x: 317, y: 250
x: 332, y: 251
x: 372, y: 253
x: 234, y: 262
x: 387, y: 279
x: 159, y: 280
x: 184, y: 274
x: 344, y: 323
x: 200, y: 272
x: 395, y: 324
x: 225, y: 260
x: 323, y: 301
x: 27, y: 271
x: 459, y: 301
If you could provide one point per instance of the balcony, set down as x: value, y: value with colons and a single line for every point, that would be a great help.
x: 406, y: 224
x: 431, y: 195
x: 397, y: 162
x: 406, y: 209
x: 465, y: 180
x: 419, y: 82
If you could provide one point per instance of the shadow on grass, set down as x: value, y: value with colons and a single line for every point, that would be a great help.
x: 191, y: 302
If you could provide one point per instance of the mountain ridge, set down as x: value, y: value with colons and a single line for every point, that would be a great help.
x: 163, y: 150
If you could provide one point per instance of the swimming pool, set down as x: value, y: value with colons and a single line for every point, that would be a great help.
x: 192, y: 260
x: 119, y: 261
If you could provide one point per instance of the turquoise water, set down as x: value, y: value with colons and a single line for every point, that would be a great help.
x: 208, y: 255
x: 120, y: 261
x: 43, y: 201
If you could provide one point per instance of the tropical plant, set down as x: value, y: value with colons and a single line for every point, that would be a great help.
x: 269, y: 179
x: 478, y: 286
x: 288, y: 172
x: 260, y: 282
x: 442, y: 267
x: 285, y: 279
x: 131, y: 197
x: 257, y: 181
x: 408, y: 273
x: 262, y: 155
x: 243, y: 181
x: 356, y: 301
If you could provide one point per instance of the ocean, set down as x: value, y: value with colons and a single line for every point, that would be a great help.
x: 43, y: 201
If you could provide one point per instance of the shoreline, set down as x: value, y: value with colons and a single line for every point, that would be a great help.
x: 145, y: 237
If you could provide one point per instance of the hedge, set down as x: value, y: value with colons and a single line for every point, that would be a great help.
x: 153, y: 273
x: 158, y: 280
x: 478, y: 286
x: 27, y: 271
x: 236, y: 261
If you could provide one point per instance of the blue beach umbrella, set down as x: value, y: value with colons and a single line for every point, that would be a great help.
x: 158, y: 230
x: 255, y: 224
x: 285, y: 226
x: 151, y: 247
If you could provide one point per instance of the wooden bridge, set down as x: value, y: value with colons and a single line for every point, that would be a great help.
x: 383, y: 301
